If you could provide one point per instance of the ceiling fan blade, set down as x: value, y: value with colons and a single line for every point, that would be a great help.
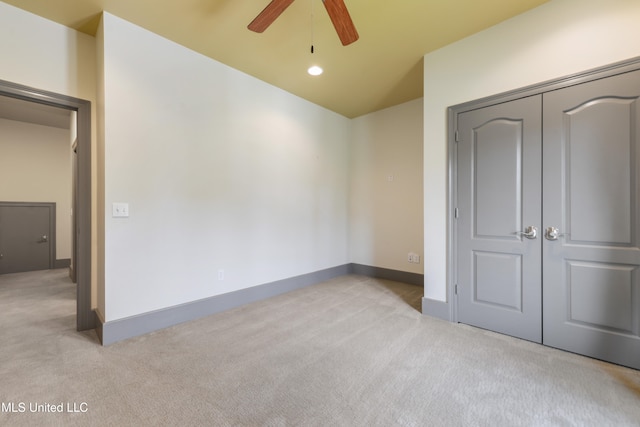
x: 341, y: 21
x: 268, y: 15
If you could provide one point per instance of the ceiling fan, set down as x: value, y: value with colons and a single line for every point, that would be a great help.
x: 335, y: 8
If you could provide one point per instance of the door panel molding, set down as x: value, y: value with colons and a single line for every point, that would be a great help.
x: 508, y: 194
x: 612, y: 285
x: 488, y: 269
x: 614, y: 176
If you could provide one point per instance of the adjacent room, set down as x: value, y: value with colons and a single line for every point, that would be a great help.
x: 235, y: 241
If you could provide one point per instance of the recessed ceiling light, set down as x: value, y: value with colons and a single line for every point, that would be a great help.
x: 314, y: 70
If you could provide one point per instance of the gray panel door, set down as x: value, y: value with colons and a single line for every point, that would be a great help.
x: 590, y: 195
x: 25, y: 237
x: 499, y: 187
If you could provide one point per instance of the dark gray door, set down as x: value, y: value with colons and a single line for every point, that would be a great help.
x: 591, y: 256
x: 26, y: 237
x: 499, y: 218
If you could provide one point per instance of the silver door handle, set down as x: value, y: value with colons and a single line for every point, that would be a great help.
x: 44, y: 239
x: 552, y: 233
x: 530, y: 232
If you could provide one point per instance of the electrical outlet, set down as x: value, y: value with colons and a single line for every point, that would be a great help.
x: 413, y: 258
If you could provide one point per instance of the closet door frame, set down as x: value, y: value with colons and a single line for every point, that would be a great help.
x: 452, y: 115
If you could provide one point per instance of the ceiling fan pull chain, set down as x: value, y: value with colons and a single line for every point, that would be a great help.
x: 312, y: 34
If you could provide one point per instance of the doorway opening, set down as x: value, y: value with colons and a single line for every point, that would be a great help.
x: 81, y: 227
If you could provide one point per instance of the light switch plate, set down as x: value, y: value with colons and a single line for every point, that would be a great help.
x: 121, y: 210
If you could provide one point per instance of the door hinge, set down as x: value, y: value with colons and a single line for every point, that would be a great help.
x: 456, y: 213
x: 457, y: 136
x: 455, y: 289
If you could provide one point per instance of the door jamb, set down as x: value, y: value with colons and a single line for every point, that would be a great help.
x: 85, y: 316
x: 616, y: 68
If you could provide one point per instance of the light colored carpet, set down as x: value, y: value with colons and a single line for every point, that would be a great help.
x: 353, y: 351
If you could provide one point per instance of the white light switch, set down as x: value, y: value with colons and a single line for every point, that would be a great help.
x: 121, y: 210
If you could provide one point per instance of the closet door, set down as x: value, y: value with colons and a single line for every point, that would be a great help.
x: 591, y: 244
x: 499, y: 218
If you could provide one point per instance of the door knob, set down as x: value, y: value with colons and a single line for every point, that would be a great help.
x: 44, y: 239
x: 530, y: 232
x: 552, y: 233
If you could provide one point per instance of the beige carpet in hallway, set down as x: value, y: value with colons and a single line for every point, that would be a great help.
x: 353, y: 351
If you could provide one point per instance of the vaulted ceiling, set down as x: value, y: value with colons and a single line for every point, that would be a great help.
x: 383, y: 68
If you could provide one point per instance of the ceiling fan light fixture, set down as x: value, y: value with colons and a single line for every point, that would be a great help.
x: 315, y: 70
x: 336, y: 9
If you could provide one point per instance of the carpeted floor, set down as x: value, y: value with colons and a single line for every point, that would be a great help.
x: 353, y: 351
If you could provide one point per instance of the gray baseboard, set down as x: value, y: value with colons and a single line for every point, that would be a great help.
x: 62, y: 263
x: 388, y: 274
x: 435, y: 308
x: 121, y: 329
